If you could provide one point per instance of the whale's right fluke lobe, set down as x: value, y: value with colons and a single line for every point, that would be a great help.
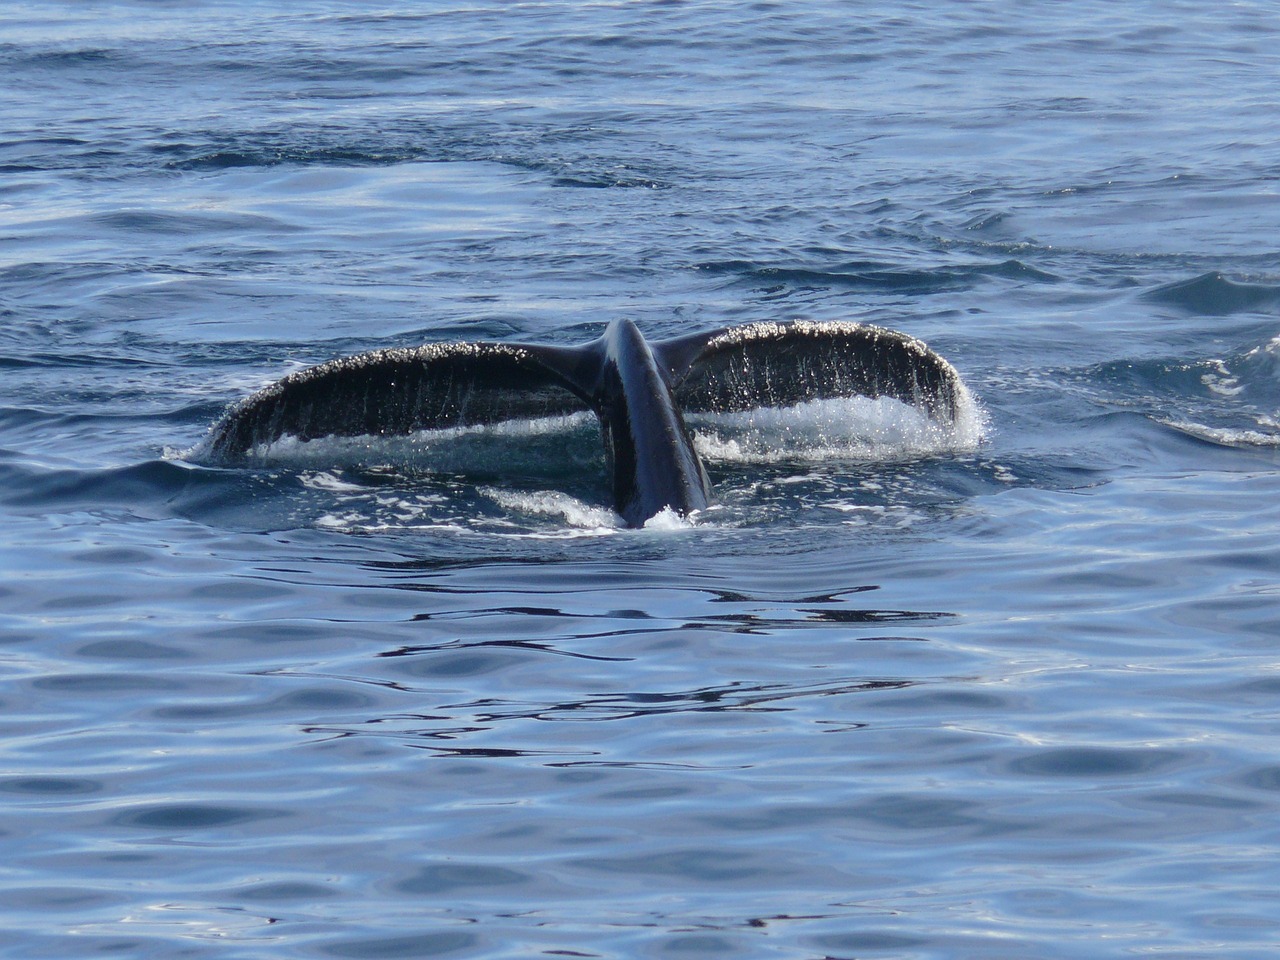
x: 783, y: 364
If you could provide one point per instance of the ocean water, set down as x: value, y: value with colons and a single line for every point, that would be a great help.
x: 1007, y: 694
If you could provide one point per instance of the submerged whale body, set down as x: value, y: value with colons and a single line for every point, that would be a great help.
x: 638, y: 390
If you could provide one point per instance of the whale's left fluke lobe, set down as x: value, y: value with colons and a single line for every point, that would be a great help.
x: 638, y: 391
x: 400, y: 391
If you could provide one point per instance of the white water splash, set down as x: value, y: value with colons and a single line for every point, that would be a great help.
x: 479, y: 448
x: 852, y: 428
x: 555, y: 504
x: 667, y: 519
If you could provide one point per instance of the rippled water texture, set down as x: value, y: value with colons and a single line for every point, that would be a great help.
x: 1007, y: 695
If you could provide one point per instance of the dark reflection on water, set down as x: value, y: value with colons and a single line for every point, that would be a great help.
x: 489, y: 713
x: 735, y: 696
x: 757, y: 623
x: 411, y: 651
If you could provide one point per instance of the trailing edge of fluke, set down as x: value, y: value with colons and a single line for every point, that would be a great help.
x: 639, y: 390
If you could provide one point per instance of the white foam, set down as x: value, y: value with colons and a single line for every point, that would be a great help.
x: 344, y: 522
x: 324, y: 480
x: 1003, y: 474
x: 554, y: 503
x: 1221, y: 380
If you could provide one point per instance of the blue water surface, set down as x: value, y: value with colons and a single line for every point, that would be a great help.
x: 1013, y: 696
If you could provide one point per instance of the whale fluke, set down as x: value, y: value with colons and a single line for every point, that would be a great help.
x: 639, y: 391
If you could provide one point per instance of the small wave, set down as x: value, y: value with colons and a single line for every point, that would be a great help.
x: 1250, y: 376
x: 59, y: 360
x: 1230, y: 400
x: 280, y: 155
x: 152, y: 487
x: 71, y: 59
x: 1267, y: 355
x: 1213, y: 294
x: 605, y: 180
x: 870, y: 275
x: 356, y: 147
x: 1229, y: 436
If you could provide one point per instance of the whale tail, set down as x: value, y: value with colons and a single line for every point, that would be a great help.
x: 637, y: 390
x: 401, y: 391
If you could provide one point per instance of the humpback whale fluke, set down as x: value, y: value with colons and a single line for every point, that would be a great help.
x: 638, y: 390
